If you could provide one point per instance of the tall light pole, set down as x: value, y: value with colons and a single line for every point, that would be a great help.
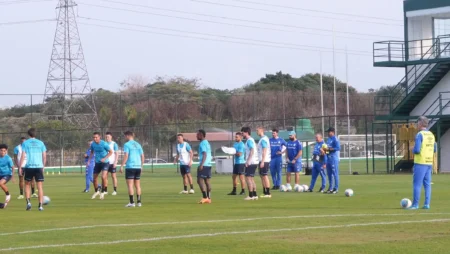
x: 334, y: 83
x: 321, y: 93
x: 348, y: 113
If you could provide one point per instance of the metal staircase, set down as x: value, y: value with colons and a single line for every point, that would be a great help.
x: 424, y: 71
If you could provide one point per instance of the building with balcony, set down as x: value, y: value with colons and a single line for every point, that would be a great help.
x: 425, y: 89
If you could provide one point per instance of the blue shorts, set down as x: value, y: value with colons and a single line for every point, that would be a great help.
x: 250, y: 170
x: 205, y: 173
x: 264, y: 170
x: 239, y: 169
x: 112, y: 169
x: 6, y: 178
x: 133, y: 173
x: 185, y: 169
x: 294, y: 168
x: 99, y: 167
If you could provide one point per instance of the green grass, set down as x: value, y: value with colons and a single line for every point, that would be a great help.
x: 376, y: 200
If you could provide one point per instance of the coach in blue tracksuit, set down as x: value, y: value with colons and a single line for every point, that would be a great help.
x: 277, y: 147
x: 333, y: 148
x: 424, y: 149
x: 319, y: 163
x: 90, y: 168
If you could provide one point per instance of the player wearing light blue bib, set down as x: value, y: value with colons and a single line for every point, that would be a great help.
x: 264, y: 155
x: 113, y: 159
x: 333, y: 148
x: 35, y: 153
x: 6, y: 171
x: 294, y: 158
x: 133, y: 161
x: 204, y: 169
x: 101, y: 151
x: 319, y: 163
x: 185, y: 156
x: 239, y: 164
x: 277, y: 148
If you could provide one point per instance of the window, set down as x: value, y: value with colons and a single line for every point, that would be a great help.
x: 442, y: 32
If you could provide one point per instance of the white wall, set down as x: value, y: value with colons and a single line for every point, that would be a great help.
x: 419, y: 28
x: 425, y: 103
x: 445, y: 151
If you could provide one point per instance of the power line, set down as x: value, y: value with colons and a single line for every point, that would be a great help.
x: 292, y: 13
x: 256, y: 22
x: 26, y: 22
x: 218, y: 40
x: 23, y: 2
x: 318, y: 11
x: 220, y: 36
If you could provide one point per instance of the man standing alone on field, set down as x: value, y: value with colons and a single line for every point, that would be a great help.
x: 424, y: 149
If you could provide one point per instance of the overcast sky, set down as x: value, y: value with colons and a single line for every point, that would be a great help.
x: 112, y: 55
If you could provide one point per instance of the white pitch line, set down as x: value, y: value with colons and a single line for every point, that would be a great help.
x: 213, y: 221
x: 220, y: 234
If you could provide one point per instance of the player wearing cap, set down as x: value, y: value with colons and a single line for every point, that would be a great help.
x: 333, y: 148
x: 294, y: 159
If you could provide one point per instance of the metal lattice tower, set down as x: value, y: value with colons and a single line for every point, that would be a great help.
x: 68, y: 93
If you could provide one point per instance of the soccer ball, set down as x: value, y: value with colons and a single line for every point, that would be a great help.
x: 305, y: 187
x: 348, y: 192
x: 288, y: 187
x: 283, y: 188
x: 298, y: 188
x: 46, y: 200
x: 405, y: 203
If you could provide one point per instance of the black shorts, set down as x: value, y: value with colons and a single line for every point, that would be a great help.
x: 35, y: 173
x: 264, y: 170
x: 133, y: 173
x: 99, y: 167
x: 205, y: 173
x: 185, y: 169
x: 111, y: 168
x: 239, y: 169
x: 250, y: 170
x: 6, y: 178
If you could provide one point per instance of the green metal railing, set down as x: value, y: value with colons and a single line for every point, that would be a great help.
x: 415, y: 75
x: 395, y: 51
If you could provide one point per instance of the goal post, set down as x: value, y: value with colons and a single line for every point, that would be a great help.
x: 362, y: 146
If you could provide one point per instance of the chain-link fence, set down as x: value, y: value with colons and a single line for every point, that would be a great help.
x: 156, y: 119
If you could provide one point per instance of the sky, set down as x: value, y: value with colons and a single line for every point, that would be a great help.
x: 193, y: 39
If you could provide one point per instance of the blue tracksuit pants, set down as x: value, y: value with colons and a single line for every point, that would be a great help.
x: 421, y: 176
x: 316, y: 171
x: 275, y: 170
x: 333, y: 172
x: 89, y: 176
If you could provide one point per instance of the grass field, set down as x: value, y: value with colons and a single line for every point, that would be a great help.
x: 369, y: 222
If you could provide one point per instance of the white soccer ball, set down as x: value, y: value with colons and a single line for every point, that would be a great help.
x: 298, y: 188
x: 348, y: 192
x: 46, y: 200
x: 405, y: 203
x: 283, y: 188
x: 288, y: 187
x: 305, y: 187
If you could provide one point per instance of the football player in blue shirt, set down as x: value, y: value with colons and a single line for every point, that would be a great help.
x: 239, y: 164
x: 294, y: 159
x: 35, y: 153
x: 101, y: 151
x: 204, y: 168
x: 333, y: 148
x: 133, y: 161
x: 277, y: 148
x: 6, y: 171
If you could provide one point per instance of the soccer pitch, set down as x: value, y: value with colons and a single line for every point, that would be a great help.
x: 369, y: 222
